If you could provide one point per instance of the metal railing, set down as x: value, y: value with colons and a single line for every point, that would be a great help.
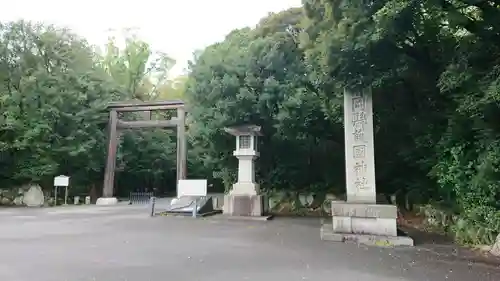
x: 140, y: 198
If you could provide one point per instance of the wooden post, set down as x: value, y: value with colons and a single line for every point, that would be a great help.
x: 181, y: 145
x: 109, y: 174
x: 182, y: 126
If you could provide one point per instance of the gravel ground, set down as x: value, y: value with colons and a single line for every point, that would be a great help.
x: 124, y: 243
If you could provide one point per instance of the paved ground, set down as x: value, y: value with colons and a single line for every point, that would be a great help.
x: 124, y: 243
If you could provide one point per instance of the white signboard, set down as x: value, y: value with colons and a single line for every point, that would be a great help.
x: 192, y: 188
x: 62, y: 181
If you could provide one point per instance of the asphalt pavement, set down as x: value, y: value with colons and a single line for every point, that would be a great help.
x: 123, y: 243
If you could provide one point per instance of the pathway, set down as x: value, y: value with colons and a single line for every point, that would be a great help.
x: 124, y: 243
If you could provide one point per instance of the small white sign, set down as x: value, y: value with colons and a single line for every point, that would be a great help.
x: 61, y: 180
x: 192, y: 188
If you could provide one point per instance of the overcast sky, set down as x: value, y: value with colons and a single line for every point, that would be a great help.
x: 177, y: 27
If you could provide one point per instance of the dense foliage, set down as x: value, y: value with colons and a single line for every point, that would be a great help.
x: 433, y: 67
x: 54, y: 89
x: 258, y: 76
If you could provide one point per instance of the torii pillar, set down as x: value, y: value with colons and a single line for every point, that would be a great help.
x: 145, y: 108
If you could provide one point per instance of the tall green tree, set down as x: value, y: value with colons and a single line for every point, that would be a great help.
x: 258, y: 76
x: 145, y: 158
x: 433, y: 69
x: 133, y: 64
x: 52, y: 100
x: 54, y: 89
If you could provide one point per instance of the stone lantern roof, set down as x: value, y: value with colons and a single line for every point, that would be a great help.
x: 242, y: 130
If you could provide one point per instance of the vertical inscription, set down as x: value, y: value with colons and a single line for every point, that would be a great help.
x: 359, y: 121
x: 359, y: 148
x: 358, y: 116
x: 359, y: 151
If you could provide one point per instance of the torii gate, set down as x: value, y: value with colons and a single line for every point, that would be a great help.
x: 115, y: 124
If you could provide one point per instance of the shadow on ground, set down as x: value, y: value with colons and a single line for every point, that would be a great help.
x: 444, y: 246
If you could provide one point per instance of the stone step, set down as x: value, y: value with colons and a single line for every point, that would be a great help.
x: 327, y: 234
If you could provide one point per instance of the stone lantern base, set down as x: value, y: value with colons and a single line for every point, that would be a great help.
x: 244, y: 205
x: 243, y: 200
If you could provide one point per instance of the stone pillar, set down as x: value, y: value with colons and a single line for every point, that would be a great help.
x: 360, y: 218
x: 245, y: 184
x: 359, y: 149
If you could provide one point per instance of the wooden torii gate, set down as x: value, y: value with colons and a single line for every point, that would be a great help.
x: 115, y: 124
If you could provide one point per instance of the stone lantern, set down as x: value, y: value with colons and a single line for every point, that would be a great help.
x: 244, y: 198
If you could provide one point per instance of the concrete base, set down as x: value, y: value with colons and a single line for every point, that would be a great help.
x: 105, y: 201
x: 327, y: 234
x: 243, y: 205
x: 180, y: 214
x: 186, y: 205
x: 356, y: 218
x: 242, y: 218
x: 369, y: 224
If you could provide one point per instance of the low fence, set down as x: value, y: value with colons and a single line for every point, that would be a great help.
x: 140, y: 198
